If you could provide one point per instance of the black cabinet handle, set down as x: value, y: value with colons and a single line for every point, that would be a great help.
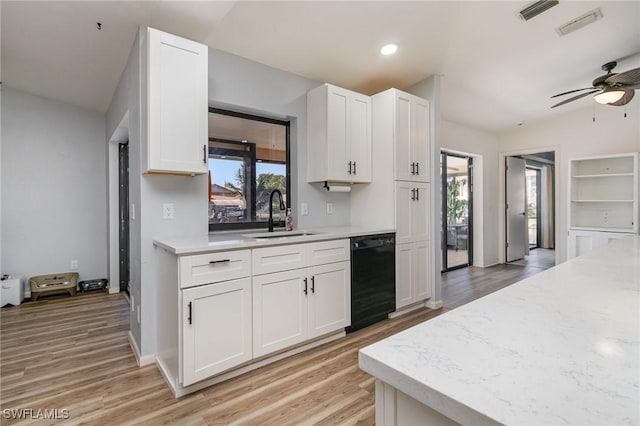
x: 313, y: 284
x: 349, y: 167
x: 354, y: 168
x: 417, y: 194
x: 413, y: 168
x: 305, y: 286
x: 417, y: 168
x: 204, y: 154
x: 189, y: 318
x: 413, y: 193
x: 211, y: 262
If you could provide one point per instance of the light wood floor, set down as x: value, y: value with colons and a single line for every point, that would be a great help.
x: 72, y: 353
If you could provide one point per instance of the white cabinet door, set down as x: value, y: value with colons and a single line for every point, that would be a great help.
x: 404, y: 272
x: 411, y: 138
x: 338, y: 103
x: 404, y: 167
x: 420, y: 215
x: 413, y: 273
x: 177, y: 104
x: 329, y: 298
x: 280, y: 310
x: 360, y: 138
x: 216, y: 328
x: 338, y: 135
x: 420, y: 139
x: 405, y: 194
x: 412, y: 211
x: 421, y: 270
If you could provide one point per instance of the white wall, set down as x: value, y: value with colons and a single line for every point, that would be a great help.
x: 53, y: 187
x: 576, y: 135
x: 483, y: 146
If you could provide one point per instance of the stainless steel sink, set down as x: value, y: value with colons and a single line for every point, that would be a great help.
x: 280, y: 234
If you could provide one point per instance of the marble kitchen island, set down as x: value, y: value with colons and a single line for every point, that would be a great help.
x: 561, y: 347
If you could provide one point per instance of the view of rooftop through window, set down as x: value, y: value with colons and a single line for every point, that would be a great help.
x: 247, y: 161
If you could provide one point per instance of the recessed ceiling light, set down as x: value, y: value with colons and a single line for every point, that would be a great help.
x: 389, y: 49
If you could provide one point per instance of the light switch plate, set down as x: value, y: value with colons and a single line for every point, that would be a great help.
x: 304, y: 209
x: 329, y: 208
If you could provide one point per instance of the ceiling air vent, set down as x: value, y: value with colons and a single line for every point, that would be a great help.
x: 537, y: 8
x: 579, y: 22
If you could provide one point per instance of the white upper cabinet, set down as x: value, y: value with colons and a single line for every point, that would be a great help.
x: 177, y: 105
x: 411, y: 137
x: 604, y: 193
x: 338, y: 135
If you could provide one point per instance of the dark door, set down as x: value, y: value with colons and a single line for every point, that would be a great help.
x: 123, y: 189
x: 457, y: 211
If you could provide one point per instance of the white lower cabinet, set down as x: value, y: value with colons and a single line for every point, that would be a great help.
x: 293, y: 306
x: 221, y: 310
x: 412, y: 273
x: 582, y: 242
x: 216, y: 331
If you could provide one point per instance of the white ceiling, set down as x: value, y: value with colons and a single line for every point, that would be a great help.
x: 496, y: 69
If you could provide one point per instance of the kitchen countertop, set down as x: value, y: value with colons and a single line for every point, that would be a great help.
x: 561, y: 347
x: 221, y: 241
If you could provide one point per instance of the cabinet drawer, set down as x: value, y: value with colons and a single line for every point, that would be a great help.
x: 214, y: 267
x: 277, y: 259
x: 324, y: 252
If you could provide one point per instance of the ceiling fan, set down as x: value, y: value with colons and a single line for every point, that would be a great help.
x: 614, y: 89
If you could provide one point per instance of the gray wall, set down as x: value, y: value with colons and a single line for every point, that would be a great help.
x: 54, y: 207
x: 248, y: 86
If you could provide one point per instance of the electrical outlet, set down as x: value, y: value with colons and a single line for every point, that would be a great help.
x: 74, y: 265
x: 167, y: 211
x: 304, y: 209
x: 329, y: 208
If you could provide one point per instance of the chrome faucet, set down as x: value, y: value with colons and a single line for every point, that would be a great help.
x: 282, y: 207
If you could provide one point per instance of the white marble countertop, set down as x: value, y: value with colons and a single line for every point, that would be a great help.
x: 221, y: 241
x: 561, y: 347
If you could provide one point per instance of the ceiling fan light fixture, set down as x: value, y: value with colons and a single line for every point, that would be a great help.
x: 609, y: 96
x: 389, y: 49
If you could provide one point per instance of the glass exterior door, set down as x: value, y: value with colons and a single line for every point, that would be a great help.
x: 456, y: 218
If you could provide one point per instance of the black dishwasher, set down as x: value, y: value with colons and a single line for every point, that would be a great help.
x: 373, y: 279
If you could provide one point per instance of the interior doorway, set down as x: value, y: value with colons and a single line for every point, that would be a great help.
x: 457, y: 211
x: 123, y: 215
x: 529, y: 219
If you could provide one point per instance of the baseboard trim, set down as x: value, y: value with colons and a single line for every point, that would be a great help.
x: 141, y: 360
x: 407, y: 309
x: 433, y: 304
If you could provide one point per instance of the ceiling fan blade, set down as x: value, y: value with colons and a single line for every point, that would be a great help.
x: 582, y: 95
x: 571, y: 91
x: 627, y: 77
x: 628, y: 95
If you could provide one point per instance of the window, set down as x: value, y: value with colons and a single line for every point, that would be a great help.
x: 248, y: 159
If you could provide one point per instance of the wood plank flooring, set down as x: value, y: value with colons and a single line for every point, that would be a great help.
x: 72, y: 353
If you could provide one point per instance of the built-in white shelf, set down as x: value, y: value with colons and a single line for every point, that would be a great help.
x: 602, y: 201
x: 604, y: 194
x: 603, y: 175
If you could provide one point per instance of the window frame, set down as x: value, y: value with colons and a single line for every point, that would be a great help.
x: 254, y: 224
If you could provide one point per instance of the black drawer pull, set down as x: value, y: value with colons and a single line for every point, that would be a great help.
x: 313, y: 284
x: 354, y: 168
x: 417, y: 168
x: 417, y: 194
x: 413, y: 194
x: 305, y: 286
x: 350, y: 167
x: 211, y: 262
x: 189, y: 319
